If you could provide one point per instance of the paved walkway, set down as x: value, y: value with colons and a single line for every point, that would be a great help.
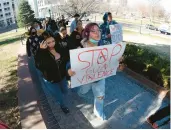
x: 30, y: 115
x: 127, y: 105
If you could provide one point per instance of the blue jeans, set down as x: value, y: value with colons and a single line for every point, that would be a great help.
x: 98, y: 89
x: 57, y: 90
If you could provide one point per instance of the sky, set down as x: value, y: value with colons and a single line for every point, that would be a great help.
x: 165, y: 3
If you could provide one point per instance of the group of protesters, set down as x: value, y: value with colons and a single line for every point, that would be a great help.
x: 49, y: 44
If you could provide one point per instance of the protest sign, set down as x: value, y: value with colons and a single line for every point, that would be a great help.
x: 116, y: 33
x: 95, y: 63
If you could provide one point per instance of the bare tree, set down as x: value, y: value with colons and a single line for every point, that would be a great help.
x: 167, y: 17
x: 143, y: 9
x: 119, y: 8
x: 71, y: 7
x: 158, y: 12
x: 152, y: 6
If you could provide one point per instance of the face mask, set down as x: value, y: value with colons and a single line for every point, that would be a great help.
x: 33, y: 33
x: 95, y: 42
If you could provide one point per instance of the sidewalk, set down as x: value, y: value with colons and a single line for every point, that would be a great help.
x: 30, y: 115
x: 127, y: 105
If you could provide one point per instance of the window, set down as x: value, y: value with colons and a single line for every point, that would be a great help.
x: 13, y: 6
x: 2, y: 23
x: 10, y: 20
x: 7, y: 8
x: 0, y: 10
x: 1, y: 15
x: 7, y: 14
x: 7, y: 3
x: 4, y: 3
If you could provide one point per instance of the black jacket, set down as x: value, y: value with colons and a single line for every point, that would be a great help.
x: 75, y: 40
x: 32, y: 45
x: 53, y: 71
x: 62, y: 23
x: 62, y: 46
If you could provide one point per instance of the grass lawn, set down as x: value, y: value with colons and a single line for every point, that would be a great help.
x: 161, y: 47
x: 11, y: 34
x: 9, y: 111
x: 147, y: 35
x: 137, y: 21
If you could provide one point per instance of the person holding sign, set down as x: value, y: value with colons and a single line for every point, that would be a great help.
x: 110, y: 19
x: 106, y: 35
x: 52, y: 66
x: 92, y: 36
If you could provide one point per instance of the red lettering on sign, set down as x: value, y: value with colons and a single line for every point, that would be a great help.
x: 97, y: 63
x: 102, y: 56
x: 84, y: 61
x: 115, y: 53
x: 81, y: 80
x: 100, y: 74
x: 92, y: 57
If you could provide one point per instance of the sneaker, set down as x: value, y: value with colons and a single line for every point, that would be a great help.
x: 65, y: 109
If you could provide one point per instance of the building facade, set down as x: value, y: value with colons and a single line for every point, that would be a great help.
x: 34, y: 6
x: 7, y: 13
x: 50, y: 8
x: 116, y: 2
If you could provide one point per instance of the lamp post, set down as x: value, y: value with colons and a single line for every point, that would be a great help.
x: 141, y: 24
x: 50, y: 13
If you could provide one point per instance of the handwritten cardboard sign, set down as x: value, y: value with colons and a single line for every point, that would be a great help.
x: 95, y: 63
x: 116, y: 33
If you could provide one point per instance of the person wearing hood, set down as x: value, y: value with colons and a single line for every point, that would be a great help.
x: 105, y: 30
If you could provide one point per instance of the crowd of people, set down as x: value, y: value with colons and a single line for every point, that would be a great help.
x: 49, y: 44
